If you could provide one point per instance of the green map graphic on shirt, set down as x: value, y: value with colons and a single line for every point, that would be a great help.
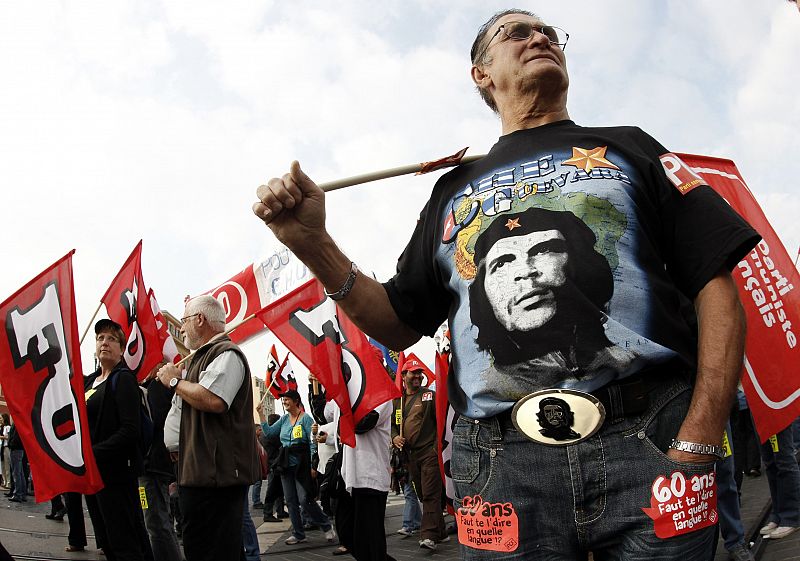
x: 602, y: 217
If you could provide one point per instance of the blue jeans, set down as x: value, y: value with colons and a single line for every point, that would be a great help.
x: 18, y: 473
x: 730, y: 516
x: 783, y: 475
x: 157, y: 518
x: 249, y: 536
x: 412, y: 512
x: 583, y: 497
x: 255, y: 492
x: 295, y: 495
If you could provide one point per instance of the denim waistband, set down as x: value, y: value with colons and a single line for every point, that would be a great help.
x: 628, y: 397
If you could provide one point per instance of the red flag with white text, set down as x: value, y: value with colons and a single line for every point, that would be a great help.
x: 255, y: 286
x: 766, y: 278
x: 286, y: 374
x: 334, y: 350
x: 240, y: 299
x: 42, y: 379
x: 128, y: 304
x: 272, y: 368
x: 169, y: 349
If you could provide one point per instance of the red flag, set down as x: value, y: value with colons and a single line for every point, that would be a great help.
x: 447, y: 162
x: 41, y: 375
x: 240, y: 298
x: 766, y: 279
x: 286, y: 374
x: 398, y: 374
x: 256, y: 286
x: 272, y: 369
x: 127, y: 304
x: 169, y: 349
x: 446, y: 418
x: 411, y: 362
x: 334, y: 350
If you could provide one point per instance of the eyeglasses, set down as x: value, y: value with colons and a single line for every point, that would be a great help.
x: 183, y: 319
x: 522, y: 30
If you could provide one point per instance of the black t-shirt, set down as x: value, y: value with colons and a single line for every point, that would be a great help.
x: 564, y: 258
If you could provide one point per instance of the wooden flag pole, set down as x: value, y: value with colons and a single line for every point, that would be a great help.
x: 215, y: 337
x: 386, y: 173
x: 89, y: 325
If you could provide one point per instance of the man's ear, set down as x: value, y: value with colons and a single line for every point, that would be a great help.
x: 480, y: 77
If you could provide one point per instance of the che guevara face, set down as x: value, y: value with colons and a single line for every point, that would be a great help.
x: 523, y: 274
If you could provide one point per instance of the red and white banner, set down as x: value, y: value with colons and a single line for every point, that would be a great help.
x: 128, y: 304
x: 272, y: 368
x: 42, y: 379
x: 168, y: 347
x: 334, y: 350
x: 286, y: 374
x: 766, y: 278
x: 282, y: 380
x: 254, y: 287
x: 446, y: 418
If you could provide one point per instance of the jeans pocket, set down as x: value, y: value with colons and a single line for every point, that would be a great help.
x: 465, y: 462
x: 661, y: 427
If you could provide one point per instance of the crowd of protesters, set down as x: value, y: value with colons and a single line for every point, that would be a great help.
x: 329, y: 483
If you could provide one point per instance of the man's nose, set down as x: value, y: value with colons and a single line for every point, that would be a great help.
x: 527, y: 270
x: 538, y: 39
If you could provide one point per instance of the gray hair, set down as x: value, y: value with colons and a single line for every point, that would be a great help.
x: 209, y: 307
x: 479, y: 45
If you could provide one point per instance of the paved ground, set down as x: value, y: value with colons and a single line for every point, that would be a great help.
x: 26, y: 534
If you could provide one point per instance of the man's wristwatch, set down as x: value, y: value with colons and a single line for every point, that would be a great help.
x: 174, y: 382
x: 695, y: 448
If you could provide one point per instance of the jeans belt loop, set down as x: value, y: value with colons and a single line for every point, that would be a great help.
x: 497, y: 429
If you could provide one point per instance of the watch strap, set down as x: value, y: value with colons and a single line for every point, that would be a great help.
x: 697, y: 448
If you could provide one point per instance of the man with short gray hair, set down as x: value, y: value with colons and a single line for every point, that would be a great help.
x: 217, y: 459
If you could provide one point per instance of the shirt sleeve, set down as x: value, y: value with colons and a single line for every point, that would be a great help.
x: 224, y: 376
x: 418, y: 291
x: 700, y: 232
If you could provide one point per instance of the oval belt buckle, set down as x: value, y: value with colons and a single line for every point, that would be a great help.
x: 558, y: 417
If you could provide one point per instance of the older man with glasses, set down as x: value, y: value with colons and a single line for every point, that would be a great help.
x: 217, y: 459
x: 632, y: 475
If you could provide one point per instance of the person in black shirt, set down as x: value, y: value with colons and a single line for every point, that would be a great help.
x: 670, y: 242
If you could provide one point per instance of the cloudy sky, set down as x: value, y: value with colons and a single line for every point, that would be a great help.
x: 158, y: 119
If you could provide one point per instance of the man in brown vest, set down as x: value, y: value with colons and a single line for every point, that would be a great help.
x: 217, y: 458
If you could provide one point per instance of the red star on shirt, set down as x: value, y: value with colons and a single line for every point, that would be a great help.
x: 513, y: 223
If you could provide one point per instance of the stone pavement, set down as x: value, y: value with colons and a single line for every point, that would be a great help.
x: 26, y: 534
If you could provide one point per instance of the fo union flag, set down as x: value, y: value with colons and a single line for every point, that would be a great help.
x: 334, y: 350
x: 128, y: 304
x: 766, y: 278
x: 40, y: 370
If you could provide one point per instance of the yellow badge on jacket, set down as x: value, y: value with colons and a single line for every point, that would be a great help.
x: 297, y: 431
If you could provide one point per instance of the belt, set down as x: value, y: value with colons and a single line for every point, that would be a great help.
x: 626, y: 398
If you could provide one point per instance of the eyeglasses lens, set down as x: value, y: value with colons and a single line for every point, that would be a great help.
x: 520, y: 30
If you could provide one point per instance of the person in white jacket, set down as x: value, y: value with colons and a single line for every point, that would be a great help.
x: 361, y: 508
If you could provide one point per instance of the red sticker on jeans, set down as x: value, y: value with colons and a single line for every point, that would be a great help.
x: 679, y: 505
x: 489, y: 526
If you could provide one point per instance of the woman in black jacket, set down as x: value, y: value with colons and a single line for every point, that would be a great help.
x: 112, y: 407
